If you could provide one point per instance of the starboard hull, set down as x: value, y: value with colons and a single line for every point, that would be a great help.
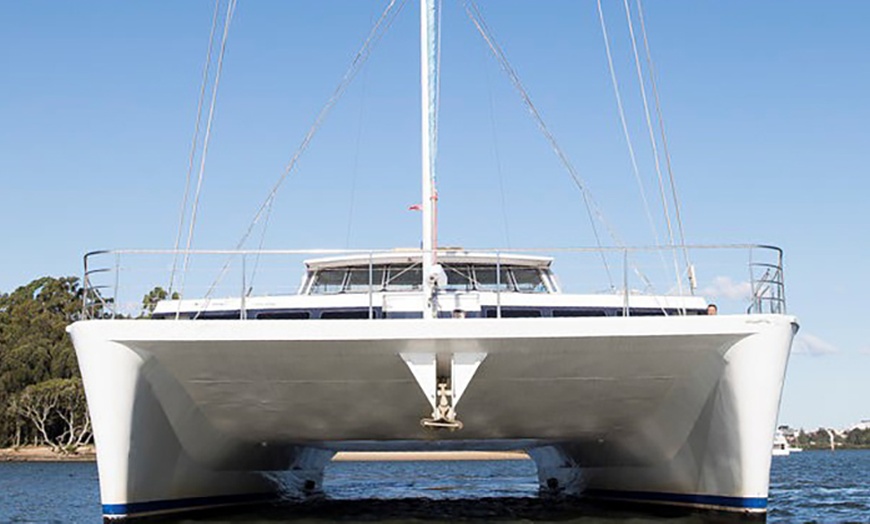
x: 666, y: 410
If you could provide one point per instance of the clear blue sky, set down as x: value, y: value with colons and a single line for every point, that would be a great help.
x: 766, y: 105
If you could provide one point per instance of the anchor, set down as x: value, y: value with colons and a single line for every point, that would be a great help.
x: 444, y: 416
x: 443, y: 384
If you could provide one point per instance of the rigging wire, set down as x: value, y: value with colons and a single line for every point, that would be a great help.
x: 231, y: 7
x: 619, y: 104
x: 260, y: 248
x: 357, y: 142
x: 355, y: 175
x: 626, y: 134
x: 194, y: 143
x: 495, y: 150
x: 661, y: 122
x: 381, y: 26
x: 591, y: 208
x: 653, y: 144
x: 352, y: 190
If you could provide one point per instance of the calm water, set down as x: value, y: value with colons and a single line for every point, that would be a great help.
x: 806, y: 487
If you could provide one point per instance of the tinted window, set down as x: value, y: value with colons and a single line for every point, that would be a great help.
x: 528, y: 280
x: 328, y: 281
x: 579, y: 313
x: 358, y: 279
x: 220, y: 315
x: 344, y: 314
x: 486, y: 279
x: 458, y: 278
x: 405, y: 278
x: 514, y: 313
x: 284, y: 315
x: 649, y: 313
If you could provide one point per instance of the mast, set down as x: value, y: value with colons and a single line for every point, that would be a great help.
x: 427, y: 99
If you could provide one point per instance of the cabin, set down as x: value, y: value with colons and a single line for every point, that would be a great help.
x: 389, y: 285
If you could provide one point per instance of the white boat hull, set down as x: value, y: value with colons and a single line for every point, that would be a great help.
x: 658, y: 409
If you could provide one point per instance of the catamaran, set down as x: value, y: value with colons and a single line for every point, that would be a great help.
x: 620, y: 396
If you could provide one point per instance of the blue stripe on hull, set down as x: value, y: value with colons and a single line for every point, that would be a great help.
x: 705, y: 501
x: 165, y: 506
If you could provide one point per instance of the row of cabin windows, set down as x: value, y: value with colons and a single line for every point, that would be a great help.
x: 460, y: 277
x: 487, y: 312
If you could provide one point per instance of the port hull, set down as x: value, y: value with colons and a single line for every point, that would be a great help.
x: 674, y: 410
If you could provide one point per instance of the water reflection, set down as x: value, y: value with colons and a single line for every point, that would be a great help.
x: 436, y: 492
x: 469, y: 510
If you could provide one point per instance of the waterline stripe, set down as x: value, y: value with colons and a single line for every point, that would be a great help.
x: 756, y: 503
x: 157, y: 506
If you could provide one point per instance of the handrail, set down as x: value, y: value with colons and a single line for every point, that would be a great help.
x: 766, y: 275
x: 332, y: 251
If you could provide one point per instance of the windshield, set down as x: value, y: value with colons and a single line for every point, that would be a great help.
x: 408, y: 277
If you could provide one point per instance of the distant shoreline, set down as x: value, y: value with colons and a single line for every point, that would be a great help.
x: 839, y: 448
x: 45, y: 454
x: 88, y: 454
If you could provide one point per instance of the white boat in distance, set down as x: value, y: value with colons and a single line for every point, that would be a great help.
x: 782, y: 447
x: 617, y: 396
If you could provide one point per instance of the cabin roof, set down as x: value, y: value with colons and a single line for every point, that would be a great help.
x: 445, y: 256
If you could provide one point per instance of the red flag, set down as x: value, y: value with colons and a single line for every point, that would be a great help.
x: 415, y: 207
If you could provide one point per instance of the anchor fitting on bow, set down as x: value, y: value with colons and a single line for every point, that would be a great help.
x: 444, y: 416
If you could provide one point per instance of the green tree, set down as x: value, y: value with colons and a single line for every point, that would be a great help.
x: 34, y: 346
x: 150, y: 300
x: 56, y: 410
x: 858, y: 438
x: 72, y: 413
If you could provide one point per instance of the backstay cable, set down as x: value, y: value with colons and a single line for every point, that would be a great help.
x: 653, y: 144
x: 183, y: 212
x: 591, y: 209
x: 231, y: 7
x: 661, y: 121
x: 381, y: 26
x: 621, y: 111
x: 498, y: 169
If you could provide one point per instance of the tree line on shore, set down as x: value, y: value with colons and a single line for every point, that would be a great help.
x: 42, y: 401
x: 855, y: 438
x: 41, y: 397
